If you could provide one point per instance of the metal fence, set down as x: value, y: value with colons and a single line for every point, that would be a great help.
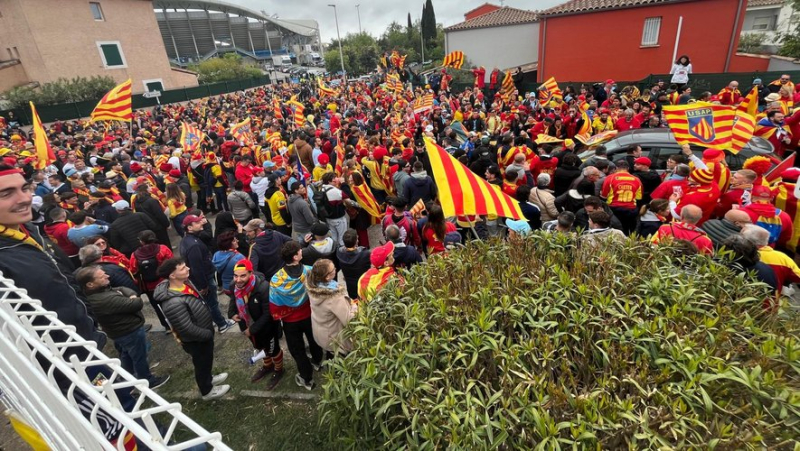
x: 75, y: 110
x: 32, y: 396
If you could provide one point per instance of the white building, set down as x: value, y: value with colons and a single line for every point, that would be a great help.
x: 505, y: 38
x: 770, y: 18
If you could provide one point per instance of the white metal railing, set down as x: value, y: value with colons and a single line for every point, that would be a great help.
x: 33, y: 394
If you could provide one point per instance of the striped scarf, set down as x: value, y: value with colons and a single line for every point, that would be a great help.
x: 242, y: 296
x: 22, y: 235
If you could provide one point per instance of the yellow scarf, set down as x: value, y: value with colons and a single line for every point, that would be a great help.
x: 21, y: 235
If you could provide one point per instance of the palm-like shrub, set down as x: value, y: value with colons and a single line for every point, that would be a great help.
x: 553, y: 344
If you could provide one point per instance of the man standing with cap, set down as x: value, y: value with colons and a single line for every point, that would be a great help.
x: 123, y: 234
x: 649, y: 178
x: 203, y: 273
x: 382, y: 259
x: 250, y: 306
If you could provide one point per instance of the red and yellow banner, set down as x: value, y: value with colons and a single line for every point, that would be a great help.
x: 191, y: 137
x: 743, y: 127
x: 241, y: 132
x: 115, y: 105
x: 594, y: 140
x: 462, y: 192
x: 454, y: 60
x: 44, y: 152
x: 549, y: 91
x: 702, y: 124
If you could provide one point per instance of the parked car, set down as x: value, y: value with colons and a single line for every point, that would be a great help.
x: 659, y: 144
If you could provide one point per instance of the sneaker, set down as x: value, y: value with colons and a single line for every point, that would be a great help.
x: 219, y: 378
x: 261, y: 373
x: 273, y: 381
x: 316, y: 366
x: 157, y: 381
x: 216, y: 392
x: 298, y: 379
x: 228, y: 326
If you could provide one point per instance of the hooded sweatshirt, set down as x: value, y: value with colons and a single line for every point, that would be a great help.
x: 224, y: 261
x: 302, y: 216
x: 331, y: 310
x: 419, y: 186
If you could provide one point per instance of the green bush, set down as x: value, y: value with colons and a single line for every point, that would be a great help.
x: 62, y: 90
x: 550, y: 344
x: 229, y: 67
x: 751, y: 42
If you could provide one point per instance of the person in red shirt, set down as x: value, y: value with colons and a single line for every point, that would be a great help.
x: 244, y: 172
x: 686, y: 229
x: 628, y: 121
x: 480, y: 77
x: 701, y: 191
x: 764, y: 214
x: 435, y: 231
x: 621, y: 191
x: 544, y: 162
x: 57, y: 231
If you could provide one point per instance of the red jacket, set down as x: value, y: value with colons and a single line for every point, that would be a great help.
x: 705, y: 197
x: 623, y: 125
x: 771, y: 217
x: 687, y: 232
x: 480, y: 76
x: 58, y: 232
x: 728, y: 200
x: 665, y: 189
x: 245, y: 174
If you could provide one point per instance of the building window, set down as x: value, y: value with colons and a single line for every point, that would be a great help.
x: 763, y: 23
x: 112, y: 55
x: 97, y: 11
x: 652, y: 27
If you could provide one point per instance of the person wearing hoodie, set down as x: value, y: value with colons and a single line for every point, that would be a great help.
x: 250, y: 308
x: 543, y: 198
x: 652, y: 217
x: 353, y: 261
x: 300, y: 210
x: 318, y: 244
x: 404, y: 256
x: 331, y: 307
x: 145, y: 261
x: 265, y: 253
x: 226, y: 258
x: 401, y: 175
x: 259, y: 185
x: 419, y: 186
x: 192, y: 325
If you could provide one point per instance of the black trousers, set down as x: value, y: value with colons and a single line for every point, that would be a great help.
x: 626, y: 216
x: 202, y: 353
x: 294, y: 333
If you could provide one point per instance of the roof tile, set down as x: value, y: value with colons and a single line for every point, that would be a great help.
x: 757, y: 3
x: 501, y: 17
x: 585, y: 6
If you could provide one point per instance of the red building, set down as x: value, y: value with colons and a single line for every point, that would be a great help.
x: 592, y: 40
x: 486, y: 8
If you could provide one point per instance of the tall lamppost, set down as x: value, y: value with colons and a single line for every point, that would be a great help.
x: 358, y: 11
x: 339, y: 37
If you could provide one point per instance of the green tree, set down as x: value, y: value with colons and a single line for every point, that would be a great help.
x: 751, y: 42
x: 428, y: 22
x: 229, y: 67
x: 62, y: 90
x: 790, y: 42
x: 360, y: 51
x: 410, y: 26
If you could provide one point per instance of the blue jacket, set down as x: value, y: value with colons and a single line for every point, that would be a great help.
x: 224, y: 261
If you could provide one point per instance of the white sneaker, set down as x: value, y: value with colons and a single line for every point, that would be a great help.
x: 216, y: 392
x: 219, y: 378
x: 228, y: 326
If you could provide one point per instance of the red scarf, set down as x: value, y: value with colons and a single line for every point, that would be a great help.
x: 242, y: 296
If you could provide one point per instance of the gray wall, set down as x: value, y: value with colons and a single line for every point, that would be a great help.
x: 501, y: 47
x: 780, y: 64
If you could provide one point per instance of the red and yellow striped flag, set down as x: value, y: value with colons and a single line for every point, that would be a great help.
x: 241, y: 132
x: 115, y: 105
x: 702, y: 124
x: 339, y: 151
x: 276, y: 108
x: 586, y: 126
x: 417, y: 209
x: 367, y: 200
x: 191, y: 137
x: 299, y: 113
x: 594, y: 140
x: 547, y: 139
x: 44, y: 152
x: 461, y: 192
x: 324, y: 90
x: 749, y: 104
x: 507, y: 86
x: 454, y: 60
x: 743, y: 127
x: 423, y: 103
x: 549, y: 91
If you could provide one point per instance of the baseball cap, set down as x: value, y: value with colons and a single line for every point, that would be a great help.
x: 761, y: 191
x: 244, y: 264
x: 380, y: 254
x: 121, y: 205
x: 191, y: 219
x: 269, y: 164
x: 320, y: 229
x: 520, y: 226
x: 643, y: 161
x: 70, y: 172
x: 254, y: 225
x: 136, y: 167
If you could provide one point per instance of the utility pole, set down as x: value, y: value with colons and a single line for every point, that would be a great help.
x: 339, y: 37
x: 422, y: 44
x: 358, y: 11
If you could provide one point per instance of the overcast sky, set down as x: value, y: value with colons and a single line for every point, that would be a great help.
x: 376, y: 15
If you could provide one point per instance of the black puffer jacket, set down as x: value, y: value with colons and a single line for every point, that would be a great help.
x: 117, y: 312
x: 124, y: 232
x: 29, y: 266
x: 189, y: 316
x: 265, y: 254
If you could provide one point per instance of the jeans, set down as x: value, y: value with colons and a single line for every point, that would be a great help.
x: 132, y: 350
x: 202, y: 353
x: 213, y: 302
x: 222, y: 198
x: 294, y: 333
x: 338, y: 226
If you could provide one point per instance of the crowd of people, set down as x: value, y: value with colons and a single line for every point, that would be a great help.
x: 294, y: 200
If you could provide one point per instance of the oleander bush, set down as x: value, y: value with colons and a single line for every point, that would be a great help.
x: 548, y: 344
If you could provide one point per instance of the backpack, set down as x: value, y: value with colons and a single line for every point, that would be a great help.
x: 148, y: 268
x: 772, y: 225
x: 324, y: 207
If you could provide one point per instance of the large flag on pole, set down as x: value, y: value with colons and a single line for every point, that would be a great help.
x: 743, y: 127
x: 115, y: 105
x: 701, y: 124
x: 454, y: 60
x: 462, y: 193
x: 549, y: 91
x: 44, y: 152
x: 750, y: 103
x: 507, y: 86
x: 241, y: 132
x: 191, y: 137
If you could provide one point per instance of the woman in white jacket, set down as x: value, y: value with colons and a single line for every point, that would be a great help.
x: 681, y: 71
x: 331, y: 308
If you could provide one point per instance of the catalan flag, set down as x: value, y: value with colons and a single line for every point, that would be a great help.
x: 423, y: 103
x: 454, y: 60
x: 507, y: 86
x: 276, y: 108
x: 299, y: 113
x: 191, y: 137
x: 594, y: 140
x: 549, y: 91
x: 743, y: 127
x: 462, y: 192
x: 366, y: 199
x: 44, y: 152
x: 241, y: 132
x: 547, y: 139
x: 750, y: 103
x: 115, y: 105
x: 325, y: 90
x: 393, y: 83
x: 586, y: 126
x: 702, y: 124
x: 339, y: 151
